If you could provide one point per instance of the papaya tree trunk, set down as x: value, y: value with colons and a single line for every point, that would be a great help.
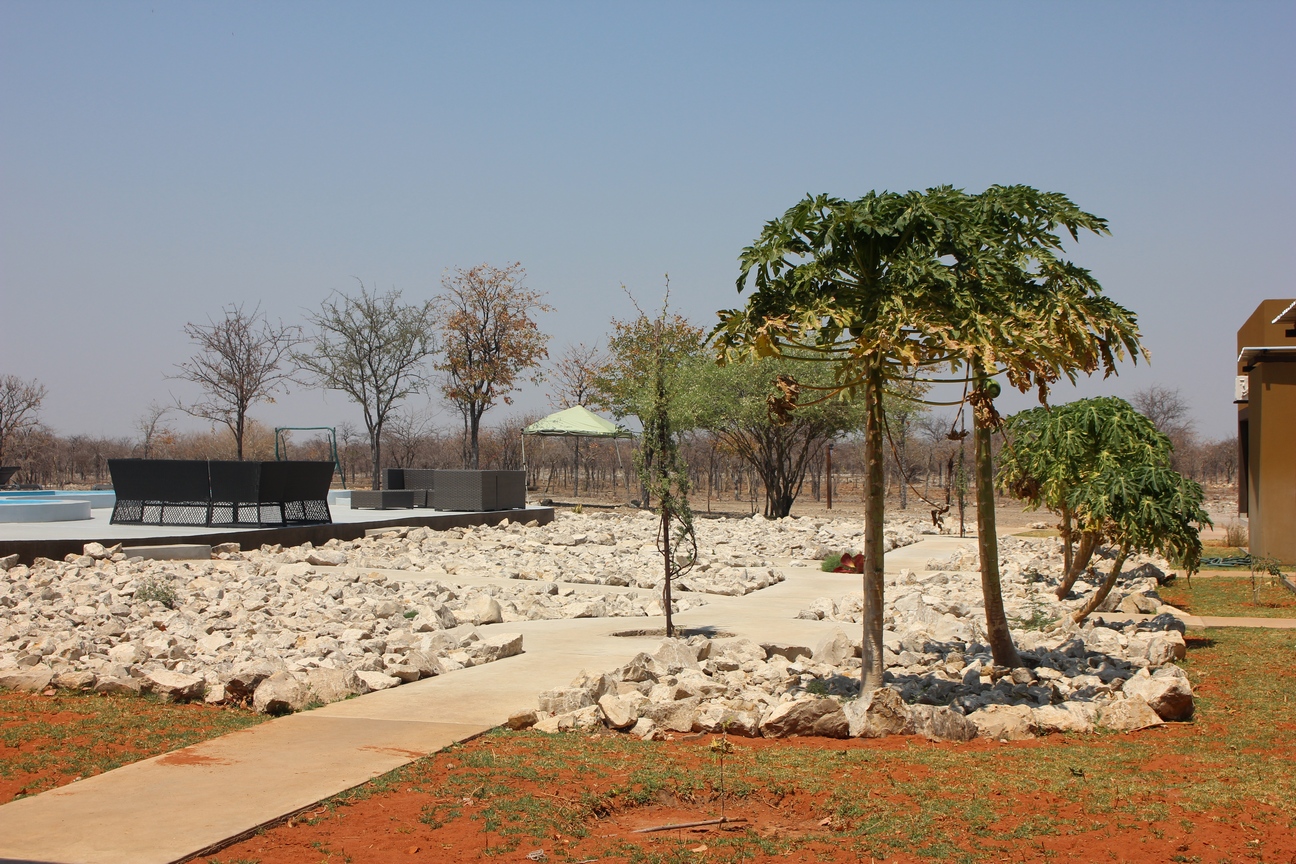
x: 1068, y: 543
x: 1079, y: 561
x: 997, y: 631
x: 1105, y: 588
x: 874, y: 505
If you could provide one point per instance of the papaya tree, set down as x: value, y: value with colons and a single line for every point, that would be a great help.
x: 833, y: 282
x: 892, y: 286
x: 1150, y: 508
x: 1052, y: 451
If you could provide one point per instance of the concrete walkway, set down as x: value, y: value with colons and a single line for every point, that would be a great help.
x: 1201, y: 622
x: 170, y: 807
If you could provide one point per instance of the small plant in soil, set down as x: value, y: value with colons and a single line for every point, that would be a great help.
x: 156, y: 588
x: 1263, y: 566
x: 1038, y: 619
x: 818, y: 688
x: 722, y: 747
x: 1236, y: 535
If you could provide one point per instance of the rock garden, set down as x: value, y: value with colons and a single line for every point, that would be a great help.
x: 283, y: 628
x: 941, y: 680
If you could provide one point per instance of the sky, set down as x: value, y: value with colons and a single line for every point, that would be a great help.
x: 160, y: 161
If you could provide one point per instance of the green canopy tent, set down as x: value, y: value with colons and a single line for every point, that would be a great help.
x: 576, y: 422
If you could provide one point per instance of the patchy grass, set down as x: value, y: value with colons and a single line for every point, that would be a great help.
x: 1039, y: 532
x: 1217, y: 789
x: 47, y: 741
x: 1230, y: 596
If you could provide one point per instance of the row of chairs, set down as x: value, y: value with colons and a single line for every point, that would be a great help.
x: 220, y: 493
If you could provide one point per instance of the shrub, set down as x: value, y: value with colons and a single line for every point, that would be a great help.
x: 155, y: 588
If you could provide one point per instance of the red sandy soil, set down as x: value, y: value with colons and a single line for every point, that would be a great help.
x: 50, y: 739
x: 386, y: 826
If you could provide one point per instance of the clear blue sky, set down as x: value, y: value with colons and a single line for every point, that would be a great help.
x: 159, y: 160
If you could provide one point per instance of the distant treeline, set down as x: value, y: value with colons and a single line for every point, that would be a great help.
x: 930, y: 460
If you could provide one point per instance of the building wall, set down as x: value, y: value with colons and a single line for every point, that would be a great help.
x: 1271, y: 450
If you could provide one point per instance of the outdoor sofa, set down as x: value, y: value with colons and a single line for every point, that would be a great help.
x: 464, y: 491
x: 220, y: 493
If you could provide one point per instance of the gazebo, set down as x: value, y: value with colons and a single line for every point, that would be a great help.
x: 576, y: 422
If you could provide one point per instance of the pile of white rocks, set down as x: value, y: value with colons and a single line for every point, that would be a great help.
x: 947, y: 605
x: 735, y: 556
x: 280, y: 628
x: 1070, y: 683
x: 941, y: 680
x: 258, y: 627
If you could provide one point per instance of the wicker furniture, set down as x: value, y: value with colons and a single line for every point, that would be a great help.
x: 220, y: 493
x: 387, y: 499
x: 470, y: 491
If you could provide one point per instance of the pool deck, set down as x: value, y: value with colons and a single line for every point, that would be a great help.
x: 56, y: 539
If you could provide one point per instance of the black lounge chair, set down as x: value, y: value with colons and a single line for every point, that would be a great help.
x: 160, y: 491
x: 220, y: 493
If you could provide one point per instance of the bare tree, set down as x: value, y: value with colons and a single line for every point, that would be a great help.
x: 407, y: 433
x: 1166, y: 409
x: 902, y: 408
x: 490, y: 339
x: 152, y: 428
x: 348, y: 439
x: 372, y: 348
x: 20, y: 403
x: 1169, y: 413
x: 574, y: 375
x: 241, y: 360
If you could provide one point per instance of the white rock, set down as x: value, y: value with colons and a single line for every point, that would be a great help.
x: 1067, y: 717
x: 33, y: 679
x: 676, y: 654
x: 173, y: 686
x: 644, y: 728
x: 1128, y: 715
x: 877, y: 714
x: 1004, y: 722
x: 326, y: 557
x: 834, y: 649
x: 1168, y: 692
x: 1166, y: 647
x: 281, y: 693
x: 620, y: 713
x: 496, y: 646
x: 333, y: 685
x: 377, y: 680
x: 294, y: 571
